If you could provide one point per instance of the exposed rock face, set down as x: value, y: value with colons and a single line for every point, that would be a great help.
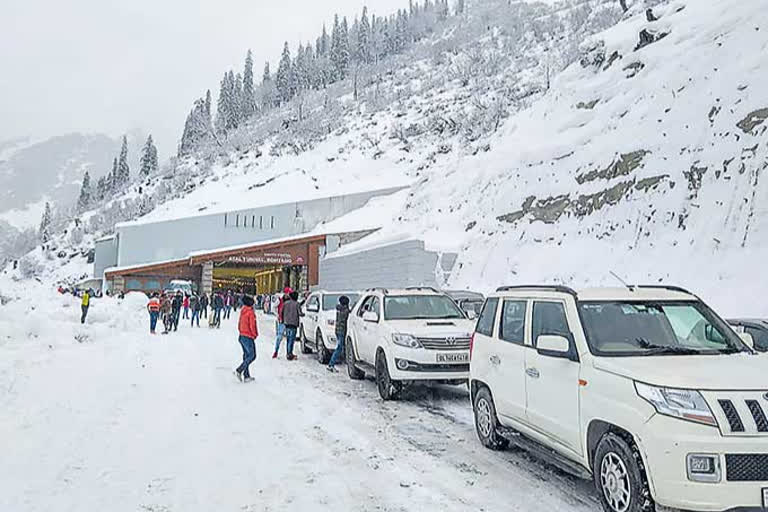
x: 753, y: 120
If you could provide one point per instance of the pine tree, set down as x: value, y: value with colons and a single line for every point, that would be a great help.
x: 284, y: 77
x: 45, y: 224
x: 101, y: 188
x: 197, y: 129
x: 208, y: 105
x: 249, y: 97
x: 364, y: 38
x: 114, y: 180
x: 85, y: 193
x: 268, y: 93
x: 238, y: 97
x: 460, y: 6
x: 224, y: 104
x: 148, y: 163
x: 123, y: 170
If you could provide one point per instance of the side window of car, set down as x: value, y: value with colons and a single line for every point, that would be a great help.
x: 760, y: 337
x: 512, y: 325
x: 487, y: 317
x: 375, y: 306
x: 365, y: 305
x: 313, y: 302
x: 549, y: 318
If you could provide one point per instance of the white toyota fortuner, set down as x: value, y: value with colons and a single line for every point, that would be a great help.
x: 643, y: 389
x: 403, y: 336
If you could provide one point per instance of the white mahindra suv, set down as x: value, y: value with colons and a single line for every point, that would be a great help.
x: 318, y: 325
x: 643, y: 389
x: 402, y: 336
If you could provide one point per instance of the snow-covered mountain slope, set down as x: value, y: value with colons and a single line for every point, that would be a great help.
x: 645, y: 161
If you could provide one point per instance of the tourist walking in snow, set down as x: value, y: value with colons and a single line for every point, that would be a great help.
x: 218, y: 305
x: 342, y: 316
x: 248, y: 334
x: 291, y: 315
x: 84, y: 305
x: 178, y: 300
x: 154, y: 312
x: 204, y: 305
x: 279, y: 325
x: 194, y: 305
x: 228, y: 303
x: 186, y: 307
x: 166, y: 311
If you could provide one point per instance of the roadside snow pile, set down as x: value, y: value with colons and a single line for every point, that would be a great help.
x: 39, y: 313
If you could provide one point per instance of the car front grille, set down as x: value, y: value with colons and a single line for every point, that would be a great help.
x: 758, y: 415
x: 752, y: 467
x: 732, y: 415
x: 445, y: 343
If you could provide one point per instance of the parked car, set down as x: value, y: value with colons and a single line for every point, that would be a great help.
x: 645, y: 390
x: 469, y: 302
x: 756, y: 328
x: 318, y: 325
x: 405, y: 336
x: 177, y: 285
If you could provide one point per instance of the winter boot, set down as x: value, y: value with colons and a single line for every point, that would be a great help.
x: 239, y: 376
x: 248, y: 379
x: 274, y: 355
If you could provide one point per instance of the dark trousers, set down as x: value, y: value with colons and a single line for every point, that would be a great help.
x: 249, y: 355
x: 205, y: 312
x: 85, y: 313
x: 290, y: 336
x: 339, y: 350
x: 175, y: 319
x: 195, y: 316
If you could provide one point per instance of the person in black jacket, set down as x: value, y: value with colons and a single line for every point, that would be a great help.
x: 342, y: 317
x: 291, y: 314
x: 204, y: 305
x: 178, y: 300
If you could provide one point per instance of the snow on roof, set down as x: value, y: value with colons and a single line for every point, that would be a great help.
x: 288, y: 239
x: 105, y: 238
x: 136, y: 266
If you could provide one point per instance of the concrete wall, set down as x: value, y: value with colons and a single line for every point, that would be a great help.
x: 393, y: 266
x: 105, y: 255
x: 167, y: 240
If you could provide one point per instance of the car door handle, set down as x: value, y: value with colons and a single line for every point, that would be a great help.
x: 532, y: 373
x: 495, y: 360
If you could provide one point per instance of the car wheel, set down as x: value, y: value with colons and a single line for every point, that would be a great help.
x: 486, y: 421
x: 352, y: 370
x: 388, y: 389
x: 620, y: 477
x: 323, y: 356
x: 304, y: 342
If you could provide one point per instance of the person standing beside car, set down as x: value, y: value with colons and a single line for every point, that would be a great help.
x: 342, y: 317
x: 291, y: 318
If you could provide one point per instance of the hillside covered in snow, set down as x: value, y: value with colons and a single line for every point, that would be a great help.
x: 542, y: 143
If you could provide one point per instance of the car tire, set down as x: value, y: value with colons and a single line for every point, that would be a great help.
x: 619, y: 474
x: 304, y: 342
x: 354, y: 372
x: 323, y: 355
x: 486, y: 421
x: 388, y: 389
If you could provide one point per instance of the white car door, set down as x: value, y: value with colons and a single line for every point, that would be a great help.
x: 552, y: 383
x: 509, y: 348
x: 373, y: 331
x: 361, y: 329
x: 311, y: 312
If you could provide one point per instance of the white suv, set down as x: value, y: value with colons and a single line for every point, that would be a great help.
x: 643, y: 389
x: 401, y: 336
x: 318, y: 325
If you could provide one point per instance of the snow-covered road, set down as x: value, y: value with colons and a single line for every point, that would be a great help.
x: 160, y: 424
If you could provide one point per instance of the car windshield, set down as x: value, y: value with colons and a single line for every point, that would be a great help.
x: 330, y: 300
x: 640, y: 328
x: 412, y: 307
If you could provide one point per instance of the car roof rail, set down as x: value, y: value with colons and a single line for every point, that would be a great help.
x: 669, y: 287
x: 543, y: 287
x: 416, y: 288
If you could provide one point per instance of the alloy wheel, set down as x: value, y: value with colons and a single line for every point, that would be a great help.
x: 614, y: 479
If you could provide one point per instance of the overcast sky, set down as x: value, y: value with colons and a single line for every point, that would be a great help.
x: 112, y: 66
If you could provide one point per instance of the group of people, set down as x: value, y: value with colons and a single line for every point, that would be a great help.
x: 171, y: 307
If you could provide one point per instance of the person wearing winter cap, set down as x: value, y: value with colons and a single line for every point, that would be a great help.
x: 280, y: 327
x: 342, y: 316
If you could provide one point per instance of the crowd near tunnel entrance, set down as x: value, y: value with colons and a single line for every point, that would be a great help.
x: 258, y: 279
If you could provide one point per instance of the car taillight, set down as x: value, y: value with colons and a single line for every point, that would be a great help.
x: 471, y: 345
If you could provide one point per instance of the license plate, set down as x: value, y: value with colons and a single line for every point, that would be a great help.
x: 461, y: 357
x: 765, y: 498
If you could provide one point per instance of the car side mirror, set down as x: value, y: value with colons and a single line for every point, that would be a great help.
x: 748, y: 339
x: 554, y: 345
x: 471, y: 314
x: 371, y: 316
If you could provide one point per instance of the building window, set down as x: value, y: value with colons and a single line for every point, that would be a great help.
x: 261, y: 222
x: 253, y: 221
x: 237, y: 221
x: 272, y: 223
x: 225, y: 220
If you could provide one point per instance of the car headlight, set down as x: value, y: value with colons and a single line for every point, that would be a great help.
x: 405, y: 340
x: 684, y: 404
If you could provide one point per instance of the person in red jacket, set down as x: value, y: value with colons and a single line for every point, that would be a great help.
x: 248, y: 334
